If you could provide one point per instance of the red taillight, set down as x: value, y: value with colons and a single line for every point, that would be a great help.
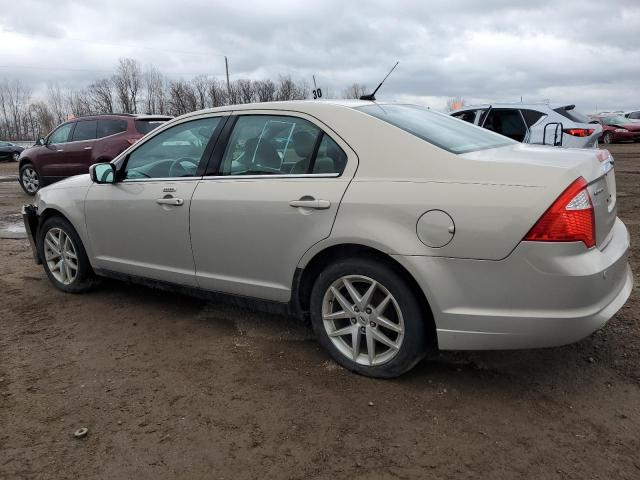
x: 569, y: 219
x: 579, y: 132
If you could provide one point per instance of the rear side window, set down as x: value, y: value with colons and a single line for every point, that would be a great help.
x: 145, y: 126
x: 85, y: 130
x: 438, y: 129
x: 468, y: 116
x: 570, y: 113
x: 270, y: 145
x: 111, y: 127
x: 531, y: 117
x: 330, y: 157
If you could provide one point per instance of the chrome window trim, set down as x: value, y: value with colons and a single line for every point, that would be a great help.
x: 229, y: 177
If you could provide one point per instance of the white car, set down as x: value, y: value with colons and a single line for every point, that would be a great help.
x: 393, y: 227
x: 542, y: 124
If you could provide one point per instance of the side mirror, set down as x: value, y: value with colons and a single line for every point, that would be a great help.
x: 103, y: 173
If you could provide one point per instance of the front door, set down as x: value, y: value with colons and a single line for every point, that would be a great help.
x: 140, y: 225
x: 51, y: 156
x: 275, y: 195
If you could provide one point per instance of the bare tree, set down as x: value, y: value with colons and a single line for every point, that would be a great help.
x: 199, y: 86
x: 287, y: 89
x: 127, y: 81
x: 265, y: 90
x: 355, y: 90
x: 100, y: 95
x: 43, y: 119
x: 182, y: 98
x: 154, y: 84
x: 217, y: 93
x: 454, y: 103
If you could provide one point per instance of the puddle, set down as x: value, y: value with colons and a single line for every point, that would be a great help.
x: 11, y: 226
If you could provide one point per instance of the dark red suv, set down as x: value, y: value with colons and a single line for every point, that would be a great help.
x: 75, y: 145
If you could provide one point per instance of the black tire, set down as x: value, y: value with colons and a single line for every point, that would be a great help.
x: 26, y: 177
x: 85, y: 278
x: 413, y: 346
x: 607, y: 138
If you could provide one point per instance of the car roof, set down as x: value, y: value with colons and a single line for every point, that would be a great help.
x: 136, y: 116
x: 299, y: 105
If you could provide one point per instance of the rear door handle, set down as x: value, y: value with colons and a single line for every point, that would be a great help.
x: 311, y: 203
x: 170, y: 201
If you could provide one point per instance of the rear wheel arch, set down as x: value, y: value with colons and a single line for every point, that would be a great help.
x: 306, y: 277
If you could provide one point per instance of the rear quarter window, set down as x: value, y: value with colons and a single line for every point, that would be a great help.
x: 531, y: 117
x: 146, y: 126
x: 111, y: 127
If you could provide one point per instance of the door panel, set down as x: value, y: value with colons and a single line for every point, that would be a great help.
x: 130, y: 232
x: 51, y: 156
x: 247, y: 239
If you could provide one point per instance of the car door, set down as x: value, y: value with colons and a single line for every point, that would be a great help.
x: 140, y: 225
x: 5, y: 151
x: 274, y: 192
x: 79, y: 151
x: 51, y: 156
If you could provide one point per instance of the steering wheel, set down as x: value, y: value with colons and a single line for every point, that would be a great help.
x: 183, y: 167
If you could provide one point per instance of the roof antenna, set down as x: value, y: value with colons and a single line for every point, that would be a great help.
x: 372, y: 96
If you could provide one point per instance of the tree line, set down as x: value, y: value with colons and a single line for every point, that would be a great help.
x: 134, y: 89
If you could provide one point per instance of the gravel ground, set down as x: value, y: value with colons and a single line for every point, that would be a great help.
x: 172, y: 387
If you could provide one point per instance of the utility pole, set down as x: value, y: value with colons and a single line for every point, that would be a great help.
x: 226, y: 66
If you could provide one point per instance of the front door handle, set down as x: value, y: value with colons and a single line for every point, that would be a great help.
x: 311, y: 203
x: 170, y: 201
x: 87, y: 148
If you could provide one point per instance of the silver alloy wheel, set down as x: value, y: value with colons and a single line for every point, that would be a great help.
x: 607, y: 138
x: 30, y: 179
x: 363, y: 320
x: 15, y: 156
x: 60, y: 255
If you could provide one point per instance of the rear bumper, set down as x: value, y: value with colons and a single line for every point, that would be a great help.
x: 30, y: 218
x: 542, y: 295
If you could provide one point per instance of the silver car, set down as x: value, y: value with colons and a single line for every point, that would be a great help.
x: 394, y: 228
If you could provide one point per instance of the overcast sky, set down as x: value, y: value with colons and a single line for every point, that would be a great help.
x: 585, y: 52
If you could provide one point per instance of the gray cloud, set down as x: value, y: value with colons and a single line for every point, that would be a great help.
x: 575, y: 51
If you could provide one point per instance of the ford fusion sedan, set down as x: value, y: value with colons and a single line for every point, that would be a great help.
x: 74, y: 145
x: 395, y: 229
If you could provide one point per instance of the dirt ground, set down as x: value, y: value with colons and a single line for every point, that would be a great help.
x: 172, y: 387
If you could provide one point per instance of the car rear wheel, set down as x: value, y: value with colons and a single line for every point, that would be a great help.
x: 64, y: 257
x: 608, y: 138
x: 29, y: 179
x: 366, y: 316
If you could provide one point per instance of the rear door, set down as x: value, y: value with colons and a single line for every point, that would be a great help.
x: 273, y: 193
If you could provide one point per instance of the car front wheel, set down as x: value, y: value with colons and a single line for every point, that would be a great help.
x: 29, y: 179
x: 365, y: 314
x: 15, y: 156
x: 64, y: 257
x: 608, y: 138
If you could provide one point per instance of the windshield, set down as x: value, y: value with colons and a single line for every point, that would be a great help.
x: 448, y: 133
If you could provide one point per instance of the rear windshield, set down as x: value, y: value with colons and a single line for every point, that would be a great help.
x: 572, y: 114
x: 441, y: 130
x: 145, y: 126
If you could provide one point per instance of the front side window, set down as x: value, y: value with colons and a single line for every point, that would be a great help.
x: 85, y: 130
x: 436, y: 128
x: 270, y: 145
x: 175, y: 152
x: 61, y: 135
